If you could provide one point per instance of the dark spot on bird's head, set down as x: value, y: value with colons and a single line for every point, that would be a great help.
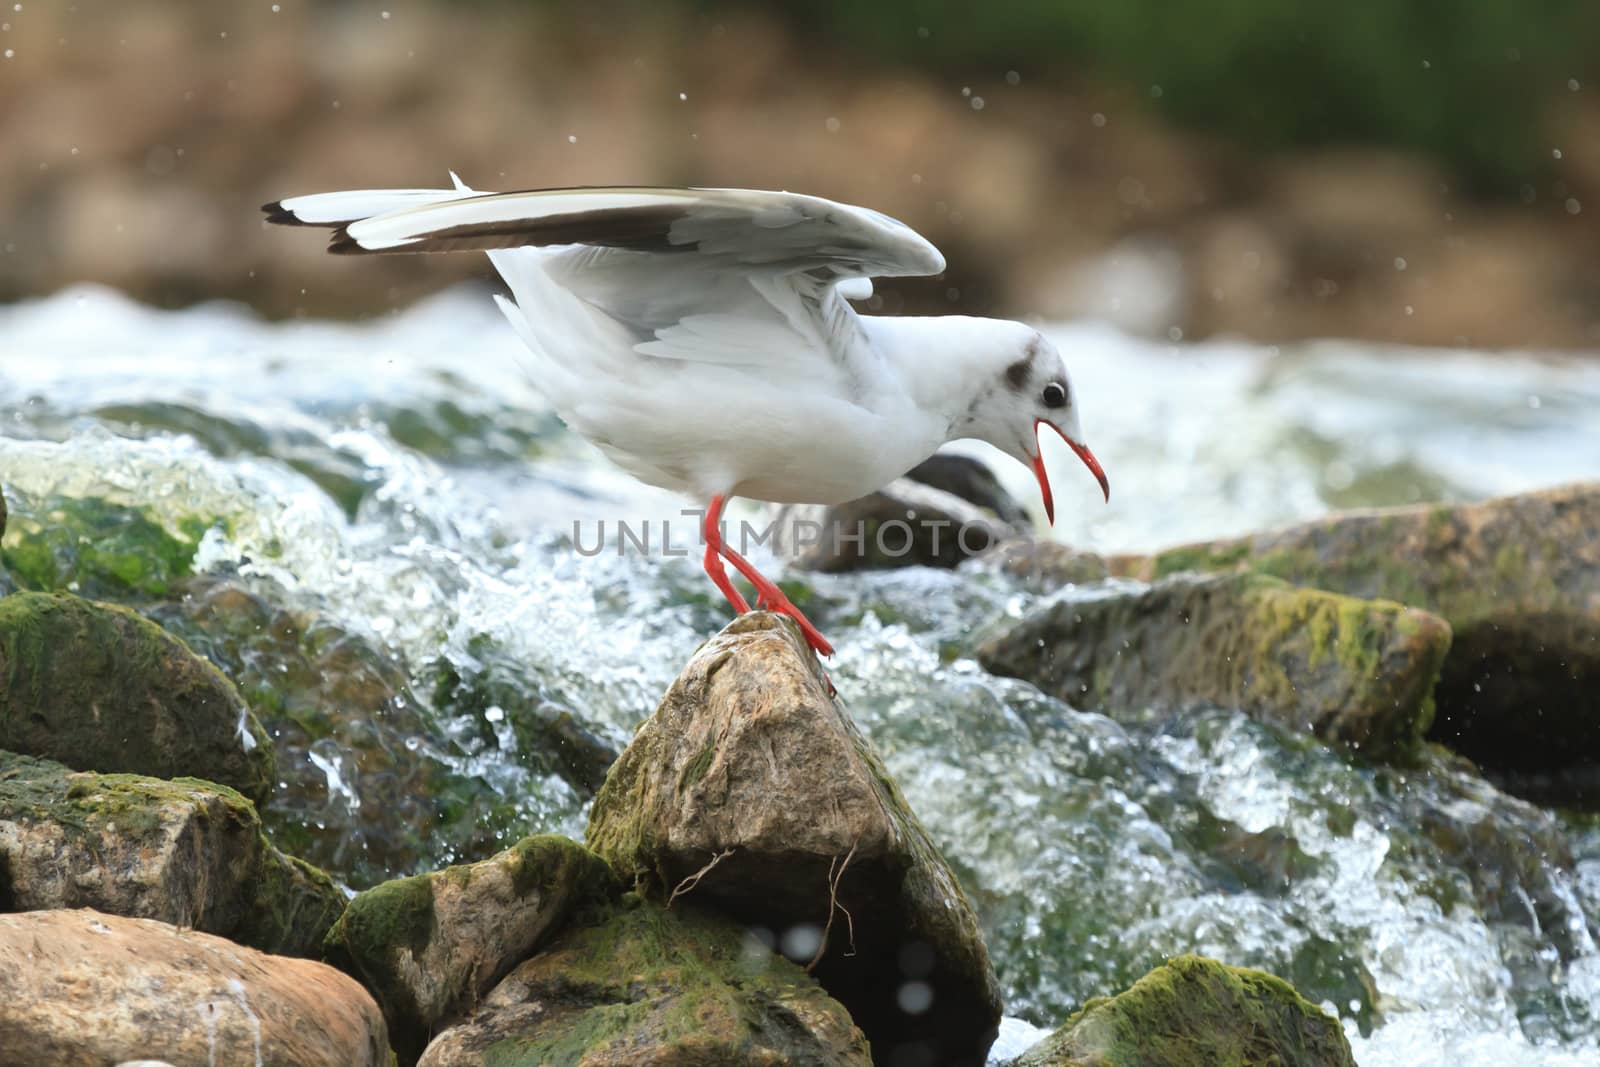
x: 1018, y: 373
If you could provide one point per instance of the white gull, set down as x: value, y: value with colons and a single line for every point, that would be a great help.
x: 704, y: 341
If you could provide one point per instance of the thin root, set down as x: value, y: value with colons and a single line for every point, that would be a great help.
x: 833, y: 905
x: 694, y: 879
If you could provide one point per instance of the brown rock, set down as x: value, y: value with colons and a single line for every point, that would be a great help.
x: 81, y: 987
x: 747, y: 759
x: 904, y: 524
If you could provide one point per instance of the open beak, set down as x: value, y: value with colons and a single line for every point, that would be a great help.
x: 1044, y: 480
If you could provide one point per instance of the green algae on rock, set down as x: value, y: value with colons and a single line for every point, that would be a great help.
x: 648, y: 985
x: 1517, y: 578
x: 102, y: 689
x: 97, y: 548
x: 1353, y: 672
x: 79, y: 986
x: 748, y: 759
x: 430, y: 946
x: 183, y: 851
x: 1194, y: 1011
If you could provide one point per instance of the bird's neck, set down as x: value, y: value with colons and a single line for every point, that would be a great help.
x: 943, y: 362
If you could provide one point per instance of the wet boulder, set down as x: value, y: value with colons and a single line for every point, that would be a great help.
x: 948, y: 509
x: 82, y: 987
x: 184, y: 851
x: 1046, y: 565
x: 430, y: 946
x: 648, y: 985
x: 1517, y: 578
x: 1192, y: 1011
x: 749, y: 792
x: 1357, y: 673
x: 102, y: 689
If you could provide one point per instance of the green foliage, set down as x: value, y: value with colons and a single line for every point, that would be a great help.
x: 1465, y: 83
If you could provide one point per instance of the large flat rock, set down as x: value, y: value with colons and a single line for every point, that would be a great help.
x: 1517, y: 578
x: 80, y: 987
x: 1357, y: 673
x: 748, y: 759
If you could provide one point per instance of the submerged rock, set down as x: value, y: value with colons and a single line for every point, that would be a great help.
x: 102, y: 689
x: 186, y: 852
x: 431, y: 946
x: 548, y: 737
x: 1517, y: 578
x: 946, y: 510
x: 81, y: 987
x: 374, y: 785
x: 651, y: 986
x: 750, y: 792
x: 97, y: 548
x: 1355, y: 672
x: 1195, y: 1011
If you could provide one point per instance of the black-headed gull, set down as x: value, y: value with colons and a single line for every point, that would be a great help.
x: 704, y: 341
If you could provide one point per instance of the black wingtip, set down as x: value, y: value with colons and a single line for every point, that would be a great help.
x: 342, y: 244
x: 281, y: 215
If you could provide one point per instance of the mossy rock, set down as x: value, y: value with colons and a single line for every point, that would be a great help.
x: 184, y: 851
x: 1195, y: 1011
x: 749, y: 763
x: 1353, y: 672
x: 97, y: 548
x: 102, y: 689
x: 327, y: 694
x: 431, y: 946
x: 1517, y: 579
x: 656, y: 986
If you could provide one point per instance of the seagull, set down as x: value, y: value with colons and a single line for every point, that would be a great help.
x: 705, y: 342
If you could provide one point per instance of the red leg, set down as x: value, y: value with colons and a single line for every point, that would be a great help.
x: 769, y: 596
x: 713, y: 538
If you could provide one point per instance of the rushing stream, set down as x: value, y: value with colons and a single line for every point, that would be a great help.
x: 379, y: 521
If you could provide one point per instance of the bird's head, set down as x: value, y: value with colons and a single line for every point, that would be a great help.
x: 1029, y: 394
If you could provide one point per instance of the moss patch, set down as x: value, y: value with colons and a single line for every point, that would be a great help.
x: 645, y: 979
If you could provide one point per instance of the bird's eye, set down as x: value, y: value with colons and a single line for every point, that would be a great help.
x: 1055, y: 395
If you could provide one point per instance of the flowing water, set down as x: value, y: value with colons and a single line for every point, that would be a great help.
x: 372, y: 529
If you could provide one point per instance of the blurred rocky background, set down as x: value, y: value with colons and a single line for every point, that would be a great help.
x: 1388, y: 169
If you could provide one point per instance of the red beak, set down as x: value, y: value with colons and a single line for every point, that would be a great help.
x: 1083, y: 454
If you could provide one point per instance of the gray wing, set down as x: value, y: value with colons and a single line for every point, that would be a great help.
x: 735, y: 276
